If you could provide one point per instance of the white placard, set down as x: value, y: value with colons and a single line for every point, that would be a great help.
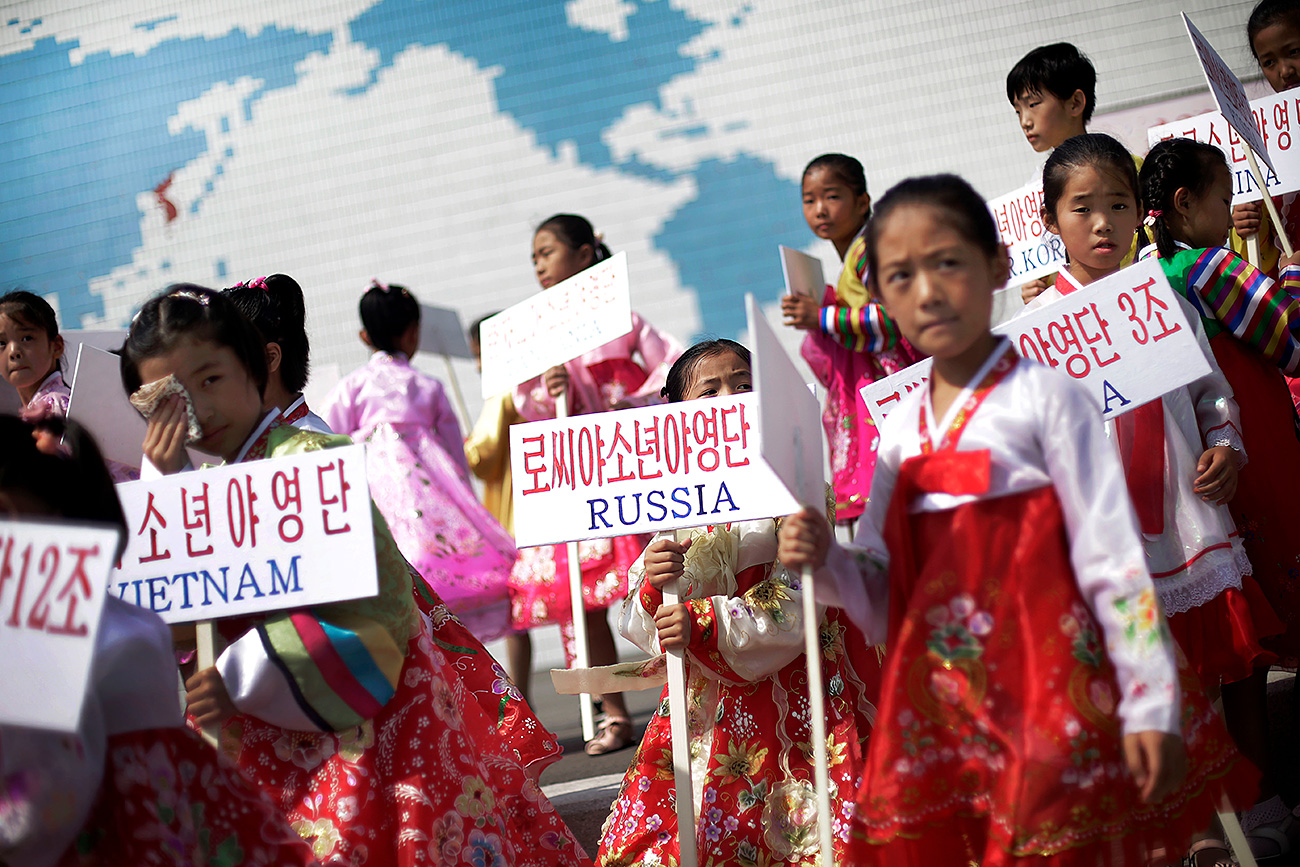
x: 100, y: 405
x: 1124, y: 338
x: 803, y: 273
x: 1229, y: 95
x: 789, y: 419
x: 258, y: 536
x: 442, y: 333
x: 107, y: 339
x: 1275, y: 117
x: 1034, y: 251
x: 52, y: 580
x: 584, y: 312
x: 641, y: 471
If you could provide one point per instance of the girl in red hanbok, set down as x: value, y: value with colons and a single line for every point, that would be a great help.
x: 1032, y: 710
x: 741, y: 624
x: 360, y: 722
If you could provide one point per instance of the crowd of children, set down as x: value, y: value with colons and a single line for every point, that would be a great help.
x: 1021, y: 647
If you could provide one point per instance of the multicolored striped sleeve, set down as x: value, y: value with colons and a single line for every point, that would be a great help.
x: 303, y: 672
x: 1261, y: 312
x: 865, y: 328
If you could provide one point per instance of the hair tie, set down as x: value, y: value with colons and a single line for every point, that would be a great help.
x: 382, y: 287
x: 258, y: 283
x: 1151, y: 218
x: 192, y: 296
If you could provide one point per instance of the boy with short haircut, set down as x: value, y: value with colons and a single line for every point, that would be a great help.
x: 1053, y: 90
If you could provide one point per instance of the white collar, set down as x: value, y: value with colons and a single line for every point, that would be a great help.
x: 267, y: 420
x: 937, y: 432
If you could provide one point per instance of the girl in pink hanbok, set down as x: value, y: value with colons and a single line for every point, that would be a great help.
x: 361, y: 719
x: 32, y: 351
x: 851, y: 341
x: 415, y: 459
x: 628, y: 371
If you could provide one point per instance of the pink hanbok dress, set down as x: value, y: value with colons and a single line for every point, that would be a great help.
x: 418, y: 478
x: 609, y: 375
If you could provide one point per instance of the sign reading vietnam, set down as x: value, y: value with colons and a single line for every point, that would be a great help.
x: 52, y: 579
x: 557, y: 325
x: 641, y: 470
x: 252, y: 537
x: 1124, y: 338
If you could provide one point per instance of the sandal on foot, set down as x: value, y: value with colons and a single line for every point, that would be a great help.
x: 1274, y: 843
x: 615, y: 734
x: 1203, y: 848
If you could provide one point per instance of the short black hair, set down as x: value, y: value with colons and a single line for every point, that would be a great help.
x: 1060, y: 69
x: 387, y: 310
x: 1267, y: 13
x: 33, y: 311
x: 679, y: 375
x: 848, y: 169
x: 575, y: 232
x: 962, y: 207
x: 187, y: 310
x: 275, y: 305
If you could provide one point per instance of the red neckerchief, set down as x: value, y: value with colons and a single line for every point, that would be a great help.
x: 1144, y: 427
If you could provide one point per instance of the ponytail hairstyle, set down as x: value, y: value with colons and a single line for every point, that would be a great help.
x: 33, y: 311
x: 186, y: 310
x: 1090, y: 150
x: 960, y: 207
x: 71, y: 483
x: 1267, y: 13
x: 1173, y: 164
x: 845, y: 169
x: 275, y: 305
x: 682, y: 372
x: 575, y: 233
x: 386, y: 312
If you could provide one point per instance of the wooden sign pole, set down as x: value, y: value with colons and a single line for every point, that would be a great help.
x: 1278, y: 227
x: 206, y: 639
x: 817, y: 713
x: 686, y: 831
x: 582, y: 650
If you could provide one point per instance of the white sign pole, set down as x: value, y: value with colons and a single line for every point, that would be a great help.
x: 455, y: 389
x: 1236, y: 837
x: 686, y: 854
x: 817, y: 710
x: 205, y: 636
x: 1278, y: 227
x: 582, y: 648
x: 1252, y: 250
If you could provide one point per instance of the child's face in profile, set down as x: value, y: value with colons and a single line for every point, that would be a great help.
x: 1209, y: 217
x: 1047, y: 120
x: 554, y: 261
x: 28, y: 352
x: 225, y: 397
x: 935, y: 283
x: 1277, y: 48
x: 833, y: 211
x: 719, y: 375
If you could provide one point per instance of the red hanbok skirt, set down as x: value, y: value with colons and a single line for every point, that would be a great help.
x: 997, y: 739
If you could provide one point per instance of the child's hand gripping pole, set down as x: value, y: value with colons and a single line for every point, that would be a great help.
x: 205, y: 637
x: 681, y: 738
x: 582, y: 652
x: 1252, y: 249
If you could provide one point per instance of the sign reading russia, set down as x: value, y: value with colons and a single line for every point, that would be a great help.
x: 641, y: 470
x: 258, y: 536
x: 584, y: 312
x: 1125, y: 338
x: 52, y: 579
x: 1034, y: 251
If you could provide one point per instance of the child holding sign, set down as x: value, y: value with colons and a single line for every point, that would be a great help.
x: 416, y: 461
x: 1254, y: 328
x: 850, y: 341
x: 1273, y: 33
x: 275, y: 305
x: 133, y: 786
x: 33, y: 349
x: 610, y: 377
x: 345, y: 713
x: 1031, y: 710
x: 741, y: 623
